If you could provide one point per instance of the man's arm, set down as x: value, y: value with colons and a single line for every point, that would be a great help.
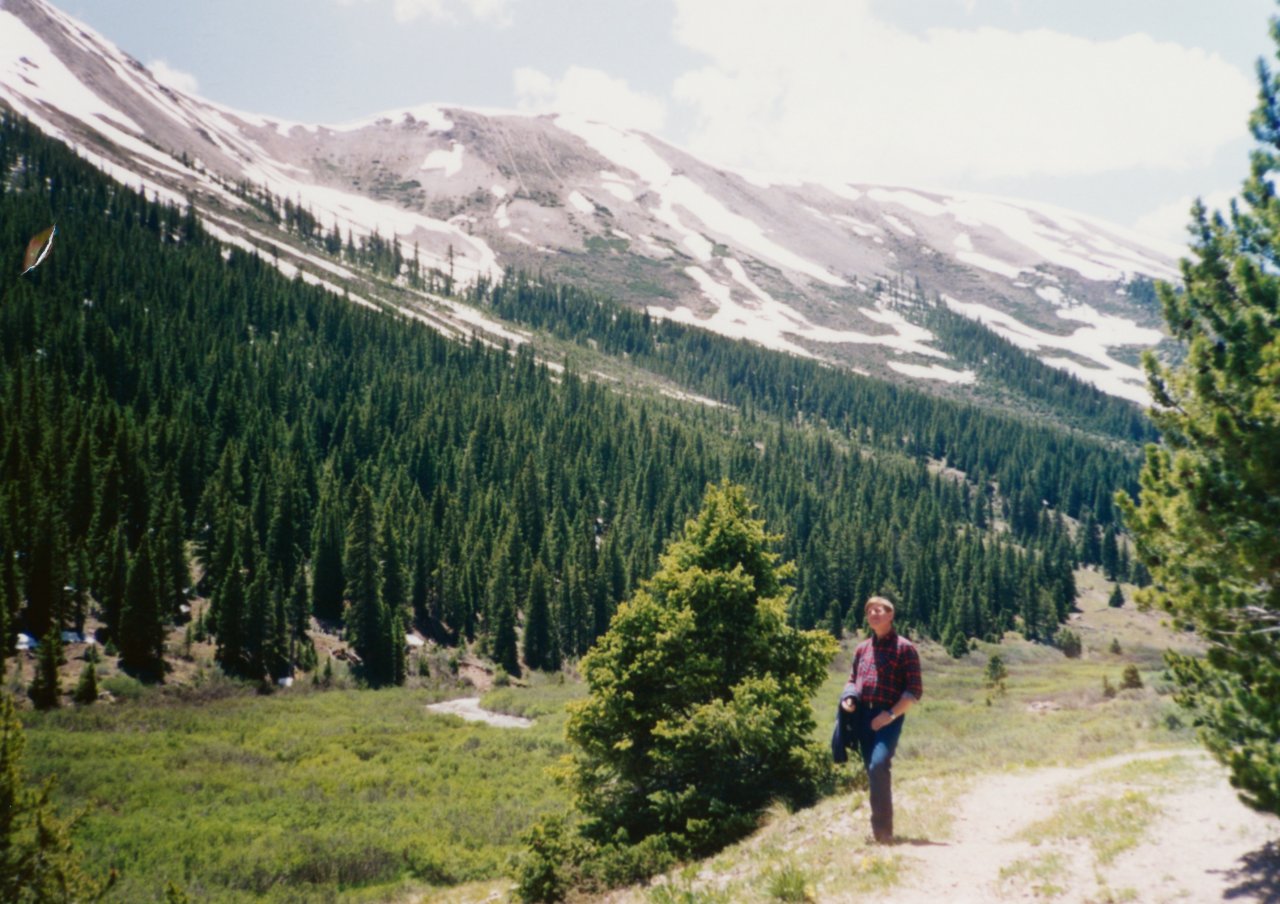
x: 913, y: 689
x: 905, y: 702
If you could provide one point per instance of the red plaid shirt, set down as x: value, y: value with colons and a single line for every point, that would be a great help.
x: 885, y: 669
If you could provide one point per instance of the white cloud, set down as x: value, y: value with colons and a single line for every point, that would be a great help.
x: 823, y: 88
x: 1169, y: 222
x: 174, y: 78
x: 591, y: 94
x: 493, y: 12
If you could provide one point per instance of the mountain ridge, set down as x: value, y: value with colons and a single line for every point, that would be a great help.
x: 793, y: 265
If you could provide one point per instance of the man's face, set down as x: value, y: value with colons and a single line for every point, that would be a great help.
x: 879, y: 617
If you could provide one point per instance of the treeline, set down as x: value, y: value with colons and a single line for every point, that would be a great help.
x: 1070, y: 473
x: 165, y: 403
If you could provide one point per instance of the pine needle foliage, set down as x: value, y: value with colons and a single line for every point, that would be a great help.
x: 1207, y: 520
x: 37, y: 860
x: 698, y: 715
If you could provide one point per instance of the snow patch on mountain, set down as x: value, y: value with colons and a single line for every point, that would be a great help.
x: 934, y: 372
x: 1090, y: 343
x: 630, y: 151
x: 450, y: 161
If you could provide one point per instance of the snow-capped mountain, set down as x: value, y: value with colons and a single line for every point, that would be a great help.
x: 793, y: 265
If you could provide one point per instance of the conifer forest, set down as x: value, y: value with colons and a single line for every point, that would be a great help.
x: 179, y: 422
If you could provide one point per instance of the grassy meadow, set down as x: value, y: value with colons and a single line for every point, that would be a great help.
x: 309, y: 795
x: 297, y: 796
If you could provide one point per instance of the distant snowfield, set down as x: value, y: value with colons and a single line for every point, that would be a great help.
x: 1090, y: 342
x: 629, y: 150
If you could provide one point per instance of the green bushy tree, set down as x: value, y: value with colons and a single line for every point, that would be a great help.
x: 698, y: 714
x: 1206, y: 521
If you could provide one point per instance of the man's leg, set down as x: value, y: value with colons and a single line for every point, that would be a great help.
x: 880, y: 779
x: 877, y: 749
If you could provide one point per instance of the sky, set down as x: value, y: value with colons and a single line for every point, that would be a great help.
x: 1126, y: 110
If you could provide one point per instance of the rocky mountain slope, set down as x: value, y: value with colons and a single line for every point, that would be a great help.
x: 797, y: 266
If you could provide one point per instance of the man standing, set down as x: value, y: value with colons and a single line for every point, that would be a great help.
x: 883, y: 685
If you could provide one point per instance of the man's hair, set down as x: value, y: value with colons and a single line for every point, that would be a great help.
x: 880, y: 600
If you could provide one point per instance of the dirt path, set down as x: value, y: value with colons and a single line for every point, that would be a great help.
x: 469, y: 708
x: 1202, y: 845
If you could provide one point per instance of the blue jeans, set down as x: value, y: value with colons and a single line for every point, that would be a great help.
x: 877, y: 748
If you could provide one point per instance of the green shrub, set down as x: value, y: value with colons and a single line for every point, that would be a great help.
x: 123, y: 687
x: 996, y: 672
x: 548, y: 866
x: 1068, y: 642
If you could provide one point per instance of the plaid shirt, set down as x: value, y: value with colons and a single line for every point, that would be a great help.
x: 880, y: 680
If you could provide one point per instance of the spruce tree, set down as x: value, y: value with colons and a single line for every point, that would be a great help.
x: 86, y: 692
x: 46, y: 686
x: 141, y: 636
x: 536, y: 645
x: 113, y: 581
x: 227, y: 612
x: 327, y: 579
x: 37, y: 860
x: 368, y: 619
x: 1206, y: 520
x: 698, y: 714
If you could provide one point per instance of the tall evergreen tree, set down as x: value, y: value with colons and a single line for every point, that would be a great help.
x: 327, y: 579
x: 141, y: 638
x: 46, y: 686
x: 228, y: 614
x: 1206, y: 523
x: 536, y: 645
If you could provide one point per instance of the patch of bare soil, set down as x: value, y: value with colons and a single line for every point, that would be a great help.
x: 1205, y: 845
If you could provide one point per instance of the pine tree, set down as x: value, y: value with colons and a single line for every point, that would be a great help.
x: 173, y: 575
x: 37, y: 860
x: 369, y: 621
x: 536, y: 644
x: 327, y: 579
x: 395, y: 590
x: 227, y: 612
x: 1206, y: 521
x: 86, y: 692
x: 114, y: 579
x: 141, y: 637
x: 46, y: 686
x: 698, y: 713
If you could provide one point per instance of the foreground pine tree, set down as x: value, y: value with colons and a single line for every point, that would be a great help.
x: 37, y: 861
x: 698, y: 715
x: 1207, y: 523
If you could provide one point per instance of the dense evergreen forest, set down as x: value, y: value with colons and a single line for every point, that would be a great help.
x: 180, y: 421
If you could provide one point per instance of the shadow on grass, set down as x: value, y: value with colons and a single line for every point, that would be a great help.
x: 1257, y: 877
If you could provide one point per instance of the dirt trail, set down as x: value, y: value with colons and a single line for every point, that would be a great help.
x: 469, y: 708
x: 1203, y: 846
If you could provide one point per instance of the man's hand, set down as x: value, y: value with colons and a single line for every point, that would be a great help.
x: 882, y: 720
x: 848, y: 704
